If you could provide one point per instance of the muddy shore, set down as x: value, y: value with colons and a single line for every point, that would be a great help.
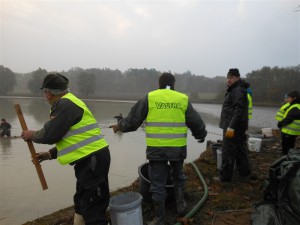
x: 227, y: 203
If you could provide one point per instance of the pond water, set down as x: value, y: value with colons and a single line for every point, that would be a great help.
x: 21, y: 196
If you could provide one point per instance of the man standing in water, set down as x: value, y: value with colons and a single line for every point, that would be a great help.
x: 4, y: 128
x: 79, y: 142
x: 234, y: 122
x: 168, y: 116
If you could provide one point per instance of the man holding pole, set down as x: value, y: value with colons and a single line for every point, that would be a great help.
x: 79, y: 142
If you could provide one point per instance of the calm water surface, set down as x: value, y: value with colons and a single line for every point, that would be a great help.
x: 21, y: 196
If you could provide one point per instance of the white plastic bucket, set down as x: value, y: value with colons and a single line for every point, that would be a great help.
x: 254, y: 144
x: 126, y: 209
x: 219, y: 159
x: 267, y: 132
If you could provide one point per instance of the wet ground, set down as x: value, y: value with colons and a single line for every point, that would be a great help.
x: 227, y: 203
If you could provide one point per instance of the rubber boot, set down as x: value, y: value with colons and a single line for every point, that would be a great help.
x: 78, y: 219
x: 159, y: 214
x: 180, y: 202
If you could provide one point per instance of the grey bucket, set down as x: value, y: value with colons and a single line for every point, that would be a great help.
x: 126, y: 209
x: 214, y: 148
x: 219, y: 159
x: 144, y: 184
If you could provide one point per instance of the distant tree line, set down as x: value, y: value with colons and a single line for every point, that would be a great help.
x: 268, y: 84
x: 8, y: 80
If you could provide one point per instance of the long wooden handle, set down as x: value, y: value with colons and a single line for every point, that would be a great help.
x: 31, y: 148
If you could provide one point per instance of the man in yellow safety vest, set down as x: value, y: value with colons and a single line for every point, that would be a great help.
x: 168, y: 115
x: 290, y: 124
x: 79, y: 142
x: 286, y: 104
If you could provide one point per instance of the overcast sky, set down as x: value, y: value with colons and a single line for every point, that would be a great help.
x: 205, y: 37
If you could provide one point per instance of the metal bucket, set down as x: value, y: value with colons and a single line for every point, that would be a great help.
x: 144, y: 184
x: 126, y: 209
x: 214, y: 148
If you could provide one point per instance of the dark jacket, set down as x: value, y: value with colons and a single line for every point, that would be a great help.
x: 234, y: 112
x: 139, y: 113
x: 293, y: 114
x: 5, y: 126
x: 64, y: 114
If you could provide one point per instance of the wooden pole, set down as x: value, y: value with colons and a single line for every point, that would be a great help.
x: 31, y: 148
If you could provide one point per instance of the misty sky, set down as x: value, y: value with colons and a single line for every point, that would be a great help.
x: 205, y: 37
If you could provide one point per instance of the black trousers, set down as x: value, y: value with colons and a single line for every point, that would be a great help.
x: 288, y: 142
x: 92, y: 189
x: 235, y: 150
x: 159, y: 171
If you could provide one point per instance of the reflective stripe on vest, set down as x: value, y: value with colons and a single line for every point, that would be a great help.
x: 294, y: 127
x: 79, y: 145
x: 81, y: 130
x: 281, y: 111
x: 82, y: 138
x: 249, y: 106
x: 165, y: 122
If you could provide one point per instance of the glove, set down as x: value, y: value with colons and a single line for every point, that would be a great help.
x: 201, y: 140
x: 229, y: 133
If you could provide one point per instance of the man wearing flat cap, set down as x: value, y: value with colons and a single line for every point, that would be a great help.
x: 234, y: 123
x: 79, y: 142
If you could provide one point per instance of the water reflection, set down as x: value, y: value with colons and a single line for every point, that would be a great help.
x: 6, y: 108
x: 40, y: 110
x: 5, y: 148
x: 210, y: 119
x: 105, y: 111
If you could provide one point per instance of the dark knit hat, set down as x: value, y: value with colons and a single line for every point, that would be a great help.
x: 166, y: 79
x: 294, y: 94
x: 55, y: 81
x: 233, y: 72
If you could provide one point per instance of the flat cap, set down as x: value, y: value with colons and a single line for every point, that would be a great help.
x: 55, y: 81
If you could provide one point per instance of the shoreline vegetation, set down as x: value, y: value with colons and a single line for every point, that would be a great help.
x: 133, y: 100
x: 227, y: 203
x: 268, y: 84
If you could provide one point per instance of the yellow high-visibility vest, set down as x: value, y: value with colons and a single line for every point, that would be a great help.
x: 294, y: 127
x: 281, y: 111
x: 249, y: 106
x: 82, y: 138
x: 165, y: 122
